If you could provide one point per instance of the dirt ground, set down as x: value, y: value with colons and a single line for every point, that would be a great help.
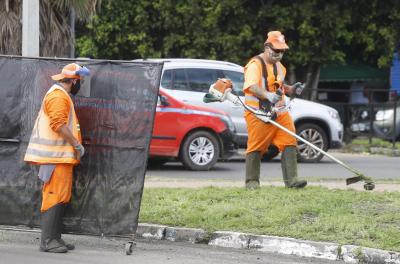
x: 158, y: 182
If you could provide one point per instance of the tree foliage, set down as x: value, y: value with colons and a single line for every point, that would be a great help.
x: 169, y: 28
x: 319, y: 32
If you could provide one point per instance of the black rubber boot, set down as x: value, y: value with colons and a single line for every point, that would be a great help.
x: 50, y: 226
x: 253, y: 161
x: 61, y: 228
x: 289, y: 168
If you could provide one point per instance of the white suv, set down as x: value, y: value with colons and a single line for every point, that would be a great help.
x: 189, y: 79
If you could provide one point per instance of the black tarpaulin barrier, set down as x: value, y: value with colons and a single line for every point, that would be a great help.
x: 115, y: 108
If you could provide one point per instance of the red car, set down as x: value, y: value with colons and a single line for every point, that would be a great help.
x: 197, y: 136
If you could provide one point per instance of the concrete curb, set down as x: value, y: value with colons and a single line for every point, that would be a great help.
x: 192, y: 235
x: 229, y: 239
x: 373, y: 150
x: 273, y: 244
x: 353, y: 254
x: 150, y: 231
x: 262, y: 243
x: 291, y: 246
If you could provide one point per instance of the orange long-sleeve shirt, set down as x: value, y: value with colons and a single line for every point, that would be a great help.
x: 57, y: 107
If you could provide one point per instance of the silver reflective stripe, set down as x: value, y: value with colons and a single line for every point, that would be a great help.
x: 280, y: 76
x: 251, y: 98
x: 70, y: 125
x: 50, y: 154
x: 263, y: 83
x: 49, y: 142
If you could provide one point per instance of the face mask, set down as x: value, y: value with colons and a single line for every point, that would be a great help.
x: 76, y: 87
x: 275, y: 56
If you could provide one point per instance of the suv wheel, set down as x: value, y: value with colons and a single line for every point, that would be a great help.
x: 200, y: 151
x: 315, y: 135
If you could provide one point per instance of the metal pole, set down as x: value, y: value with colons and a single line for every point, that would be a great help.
x: 72, y: 17
x: 371, y: 117
x: 30, y: 28
x: 394, y: 125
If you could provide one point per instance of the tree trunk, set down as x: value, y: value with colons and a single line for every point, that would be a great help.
x: 312, y: 80
x: 314, y: 83
x: 308, y: 78
x: 291, y: 75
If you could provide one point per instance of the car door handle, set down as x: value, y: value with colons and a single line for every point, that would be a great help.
x: 110, y: 126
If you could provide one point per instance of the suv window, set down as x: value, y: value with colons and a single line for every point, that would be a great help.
x: 237, y: 80
x: 180, y: 82
x: 201, y: 79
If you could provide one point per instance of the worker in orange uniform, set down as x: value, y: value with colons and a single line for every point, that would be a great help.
x: 56, y: 146
x: 264, y: 87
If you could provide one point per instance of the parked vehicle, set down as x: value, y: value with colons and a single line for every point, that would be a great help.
x: 197, y: 136
x: 189, y: 79
x: 383, y: 125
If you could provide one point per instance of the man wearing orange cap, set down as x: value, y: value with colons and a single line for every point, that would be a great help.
x: 264, y: 87
x: 56, y: 146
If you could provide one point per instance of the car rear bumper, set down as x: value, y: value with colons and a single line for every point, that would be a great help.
x: 229, y: 146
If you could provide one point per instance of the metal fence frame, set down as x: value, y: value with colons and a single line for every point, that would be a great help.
x: 348, y: 111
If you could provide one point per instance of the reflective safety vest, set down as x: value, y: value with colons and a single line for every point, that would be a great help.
x: 275, y: 76
x: 47, y: 146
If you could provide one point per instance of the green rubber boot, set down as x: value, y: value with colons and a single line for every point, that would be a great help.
x: 49, y: 226
x: 253, y: 161
x: 289, y: 168
x: 60, y: 228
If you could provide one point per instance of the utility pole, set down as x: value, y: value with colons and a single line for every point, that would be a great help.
x: 72, y: 16
x: 30, y: 28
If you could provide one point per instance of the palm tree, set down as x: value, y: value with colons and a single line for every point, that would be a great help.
x: 55, y: 32
x: 10, y: 27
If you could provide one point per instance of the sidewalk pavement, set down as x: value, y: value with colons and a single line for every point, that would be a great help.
x: 261, y: 243
x: 240, y: 155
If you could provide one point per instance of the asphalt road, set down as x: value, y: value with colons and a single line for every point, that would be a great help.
x: 376, y: 166
x: 22, y: 248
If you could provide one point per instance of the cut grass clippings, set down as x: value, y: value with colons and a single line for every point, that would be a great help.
x: 366, y: 219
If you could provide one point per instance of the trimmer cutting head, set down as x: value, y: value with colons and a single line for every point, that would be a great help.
x: 368, y: 185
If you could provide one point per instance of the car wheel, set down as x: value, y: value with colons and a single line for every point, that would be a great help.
x: 315, y: 135
x: 271, y: 153
x: 200, y: 151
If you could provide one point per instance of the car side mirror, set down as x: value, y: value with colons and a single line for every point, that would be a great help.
x: 163, y: 101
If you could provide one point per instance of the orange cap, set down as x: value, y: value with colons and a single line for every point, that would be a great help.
x: 69, y: 71
x: 277, y: 39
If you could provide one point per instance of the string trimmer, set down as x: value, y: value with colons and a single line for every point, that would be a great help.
x: 222, y: 90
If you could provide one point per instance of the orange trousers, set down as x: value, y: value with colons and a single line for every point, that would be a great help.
x: 59, y: 188
x: 261, y: 134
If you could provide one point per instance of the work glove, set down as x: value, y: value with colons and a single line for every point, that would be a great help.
x: 298, y: 88
x: 80, y: 150
x: 273, y: 97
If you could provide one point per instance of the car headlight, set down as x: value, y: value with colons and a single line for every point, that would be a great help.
x: 382, y: 115
x: 334, y: 114
x: 228, y: 121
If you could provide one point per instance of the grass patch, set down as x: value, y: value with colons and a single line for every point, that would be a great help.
x: 344, y: 216
x: 376, y: 142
